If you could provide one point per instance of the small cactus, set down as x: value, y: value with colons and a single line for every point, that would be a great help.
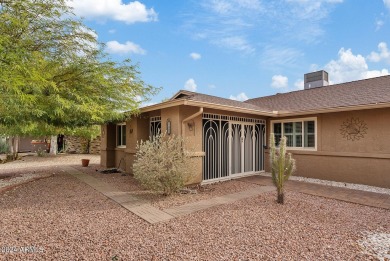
x: 282, y: 165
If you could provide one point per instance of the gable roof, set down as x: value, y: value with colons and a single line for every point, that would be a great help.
x: 362, y: 94
x: 208, y: 101
x: 204, y: 98
x: 368, y: 92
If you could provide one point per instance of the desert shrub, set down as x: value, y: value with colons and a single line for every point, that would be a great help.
x: 41, y: 152
x: 282, y: 165
x: 162, y: 164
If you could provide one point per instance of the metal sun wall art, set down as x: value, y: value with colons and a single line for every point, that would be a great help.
x: 353, y: 129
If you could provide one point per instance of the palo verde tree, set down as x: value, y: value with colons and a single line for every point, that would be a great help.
x: 55, y: 75
x: 282, y: 165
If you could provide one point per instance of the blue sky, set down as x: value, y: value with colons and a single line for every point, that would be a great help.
x: 243, y: 49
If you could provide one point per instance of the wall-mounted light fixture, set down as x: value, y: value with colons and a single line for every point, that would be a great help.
x: 168, y: 126
x: 191, y: 125
x: 131, y: 130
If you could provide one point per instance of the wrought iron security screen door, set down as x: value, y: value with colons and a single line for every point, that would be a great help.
x: 242, y: 148
x: 233, y: 146
x: 236, y: 148
x: 216, y: 148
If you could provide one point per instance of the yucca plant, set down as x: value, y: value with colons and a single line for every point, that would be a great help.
x: 282, y: 165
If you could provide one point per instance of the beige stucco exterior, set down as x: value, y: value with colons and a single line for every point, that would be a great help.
x: 365, y: 160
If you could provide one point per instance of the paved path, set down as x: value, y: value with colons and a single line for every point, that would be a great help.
x: 204, y: 204
x: 366, y: 198
x: 144, y: 210
x: 132, y: 203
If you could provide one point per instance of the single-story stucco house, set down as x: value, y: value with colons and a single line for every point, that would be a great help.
x: 335, y: 132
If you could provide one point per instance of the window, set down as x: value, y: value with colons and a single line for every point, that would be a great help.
x: 300, y: 133
x: 155, y: 126
x: 121, y: 135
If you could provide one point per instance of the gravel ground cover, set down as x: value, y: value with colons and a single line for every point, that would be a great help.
x: 128, y: 183
x: 61, y: 218
x: 338, y: 184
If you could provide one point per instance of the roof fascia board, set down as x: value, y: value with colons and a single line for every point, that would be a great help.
x: 330, y: 110
x: 229, y: 108
x: 163, y: 105
x: 178, y: 102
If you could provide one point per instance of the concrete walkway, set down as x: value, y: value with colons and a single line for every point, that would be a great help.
x: 136, y: 205
x: 204, y: 204
x: 144, y: 210
x: 366, y: 198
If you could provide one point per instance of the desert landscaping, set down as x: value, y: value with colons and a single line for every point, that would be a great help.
x: 58, y: 216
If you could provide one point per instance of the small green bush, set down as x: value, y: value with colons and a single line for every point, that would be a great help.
x: 282, y: 165
x: 162, y: 164
x: 4, y: 148
x: 41, y: 152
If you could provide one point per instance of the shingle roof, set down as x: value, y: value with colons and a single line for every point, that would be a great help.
x: 357, y: 93
x: 199, y: 97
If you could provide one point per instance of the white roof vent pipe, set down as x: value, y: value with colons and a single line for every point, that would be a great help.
x: 316, y: 79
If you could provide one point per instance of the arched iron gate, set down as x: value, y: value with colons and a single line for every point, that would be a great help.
x: 233, y: 146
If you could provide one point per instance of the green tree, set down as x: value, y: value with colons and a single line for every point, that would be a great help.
x: 282, y: 165
x: 56, y: 75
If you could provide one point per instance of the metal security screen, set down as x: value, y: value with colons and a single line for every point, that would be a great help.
x: 233, y: 146
x: 155, y: 126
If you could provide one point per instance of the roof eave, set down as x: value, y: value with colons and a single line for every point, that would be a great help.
x: 163, y: 105
x: 172, y: 103
x: 334, y: 109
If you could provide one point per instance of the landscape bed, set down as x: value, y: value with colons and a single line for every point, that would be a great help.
x: 63, y: 218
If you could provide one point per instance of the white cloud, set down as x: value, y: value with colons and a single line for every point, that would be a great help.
x: 145, y: 104
x: 379, y: 24
x: 238, y: 43
x: 128, y: 47
x: 240, y: 97
x: 279, y: 81
x: 350, y: 67
x: 224, y: 7
x: 387, y: 3
x: 231, y: 23
x: 112, y: 31
x: 129, y: 13
x: 212, y: 86
x: 299, y: 84
x: 383, y: 54
x: 195, y: 56
x: 280, y: 56
x: 190, y: 85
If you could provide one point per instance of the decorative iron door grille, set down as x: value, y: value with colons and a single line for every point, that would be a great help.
x: 232, y: 146
x: 155, y: 126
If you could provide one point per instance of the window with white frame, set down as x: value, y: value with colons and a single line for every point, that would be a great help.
x: 300, y: 133
x: 121, y: 135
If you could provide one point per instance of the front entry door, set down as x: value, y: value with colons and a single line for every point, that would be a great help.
x: 242, y: 148
x: 233, y: 146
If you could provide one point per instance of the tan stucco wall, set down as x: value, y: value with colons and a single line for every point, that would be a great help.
x: 108, y: 143
x: 137, y: 129
x: 364, y: 161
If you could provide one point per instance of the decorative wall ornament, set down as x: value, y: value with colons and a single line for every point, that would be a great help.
x: 353, y: 129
